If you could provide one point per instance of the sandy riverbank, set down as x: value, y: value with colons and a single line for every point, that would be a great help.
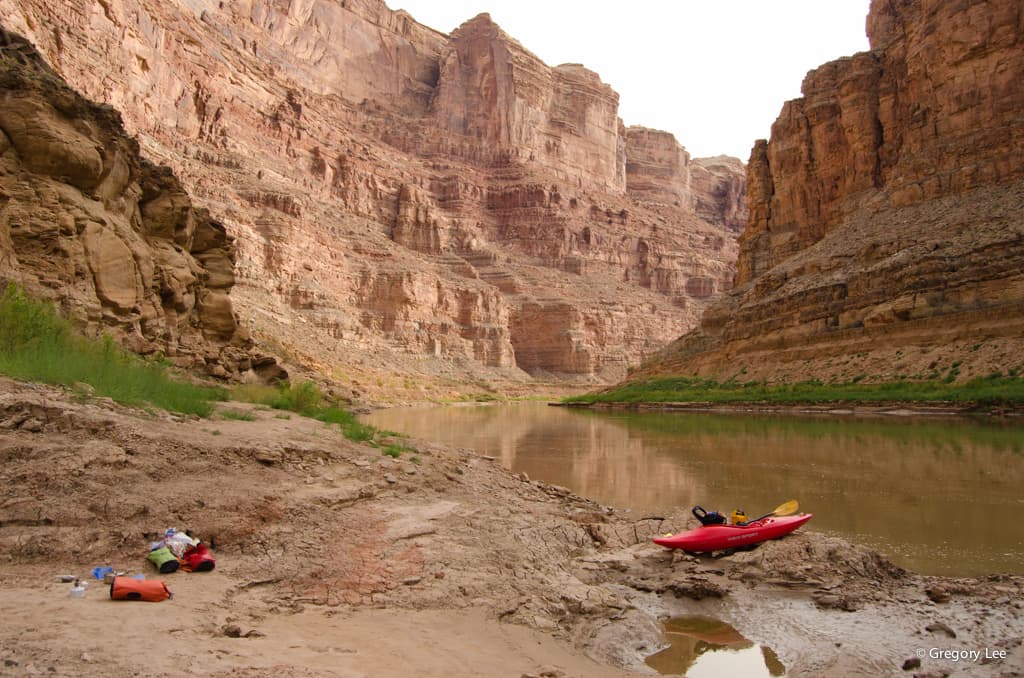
x: 336, y: 560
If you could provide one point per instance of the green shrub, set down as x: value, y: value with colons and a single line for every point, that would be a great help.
x: 29, y: 325
x: 989, y: 390
x: 307, y: 399
x: 36, y: 344
x: 304, y: 398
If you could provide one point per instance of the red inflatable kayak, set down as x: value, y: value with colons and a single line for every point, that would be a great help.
x: 721, y: 537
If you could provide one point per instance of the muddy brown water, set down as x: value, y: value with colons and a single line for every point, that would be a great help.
x: 936, y: 495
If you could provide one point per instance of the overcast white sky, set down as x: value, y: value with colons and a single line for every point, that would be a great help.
x: 715, y: 73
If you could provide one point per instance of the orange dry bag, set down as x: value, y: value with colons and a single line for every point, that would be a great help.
x: 126, y: 588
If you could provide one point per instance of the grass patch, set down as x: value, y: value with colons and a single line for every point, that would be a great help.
x: 350, y: 426
x: 306, y: 399
x: 235, y: 415
x: 37, y: 344
x: 259, y: 394
x: 393, y: 451
x: 991, y: 390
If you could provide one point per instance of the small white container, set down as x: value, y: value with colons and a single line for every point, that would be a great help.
x: 78, y: 590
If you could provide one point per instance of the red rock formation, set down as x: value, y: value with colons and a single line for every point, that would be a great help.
x: 660, y: 172
x: 720, y: 191
x: 401, y: 199
x: 85, y: 220
x: 514, y: 107
x: 885, y: 211
x: 658, y: 168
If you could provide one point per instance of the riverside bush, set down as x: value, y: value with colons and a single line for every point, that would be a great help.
x: 991, y: 390
x: 306, y: 399
x: 37, y: 344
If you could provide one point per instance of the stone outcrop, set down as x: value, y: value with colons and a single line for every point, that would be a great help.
x: 658, y: 168
x: 512, y: 106
x: 720, y: 191
x: 86, y: 221
x: 886, y: 235
x: 403, y: 201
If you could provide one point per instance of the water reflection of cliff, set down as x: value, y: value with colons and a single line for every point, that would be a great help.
x: 703, y: 646
x: 933, y: 495
x: 597, y: 458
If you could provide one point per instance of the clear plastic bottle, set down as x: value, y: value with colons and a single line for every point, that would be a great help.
x: 78, y: 589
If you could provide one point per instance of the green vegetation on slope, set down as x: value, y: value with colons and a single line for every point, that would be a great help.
x: 306, y: 399
x: 36, y: 344
x: 995, y: 389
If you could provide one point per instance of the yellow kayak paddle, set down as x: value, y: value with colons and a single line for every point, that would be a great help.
x: 785, y: 509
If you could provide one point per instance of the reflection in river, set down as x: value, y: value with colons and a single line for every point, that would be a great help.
x: 702, y: 646
x: 939, y: 497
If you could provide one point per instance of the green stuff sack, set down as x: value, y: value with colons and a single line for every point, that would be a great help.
x: 163, y: 559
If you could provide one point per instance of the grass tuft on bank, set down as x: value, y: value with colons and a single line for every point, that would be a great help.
x: 995, y: 389
x: 37, y: 344
x: 305, y: 398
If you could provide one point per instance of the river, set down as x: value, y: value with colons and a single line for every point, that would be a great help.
x: 937, y: 496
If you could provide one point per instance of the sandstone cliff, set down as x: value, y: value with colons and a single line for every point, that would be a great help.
x: 86, y: 221
x: 405, y: 202
x: 886, y: 230
x: 493, y: 92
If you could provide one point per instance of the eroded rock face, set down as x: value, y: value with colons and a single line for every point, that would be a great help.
x: 84, y: 220
x: 514, y: 107
x: 720, y: 191
x: 403, y: 201
x: 658, y: 168
x: 931, y: 110
x: 885, y: 211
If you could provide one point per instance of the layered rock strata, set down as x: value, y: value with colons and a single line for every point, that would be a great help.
x: 86, y: 221
x: 720, y: 191
x: 886, y: 230
x: 404, y: 201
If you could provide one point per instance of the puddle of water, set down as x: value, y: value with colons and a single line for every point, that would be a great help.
x: 705, y: 647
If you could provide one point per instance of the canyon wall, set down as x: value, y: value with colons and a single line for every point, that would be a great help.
x: 403, y: 202
x: 503, y: 99
x: 113, y: 238
x: 886, y: 230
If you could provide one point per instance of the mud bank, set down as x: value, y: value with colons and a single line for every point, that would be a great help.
x: 336, y: 560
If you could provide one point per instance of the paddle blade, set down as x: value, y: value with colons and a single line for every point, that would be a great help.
x: 787, y: 509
